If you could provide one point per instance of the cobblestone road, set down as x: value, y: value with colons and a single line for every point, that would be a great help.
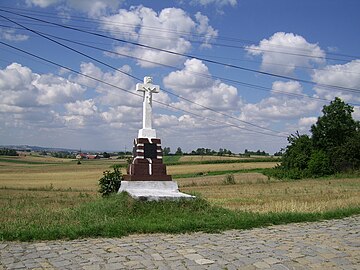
x: 331, y: 244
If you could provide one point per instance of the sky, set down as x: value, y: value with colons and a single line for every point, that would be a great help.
x: 234, y: 74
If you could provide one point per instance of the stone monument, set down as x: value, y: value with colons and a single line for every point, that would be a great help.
x: 146, y: 177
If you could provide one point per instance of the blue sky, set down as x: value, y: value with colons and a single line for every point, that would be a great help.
x: 298, y: 56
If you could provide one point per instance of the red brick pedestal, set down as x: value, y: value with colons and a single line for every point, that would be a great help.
x: 147, y: 162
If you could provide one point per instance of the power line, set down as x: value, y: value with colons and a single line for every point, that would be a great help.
x: 354, y: 90
x: 92, y: 58
x: 258, y: 87
x: 130, y: 92
x: 157, y: 29
x: 253, y: 86
x: 128, y: 74
x: 197, y: 55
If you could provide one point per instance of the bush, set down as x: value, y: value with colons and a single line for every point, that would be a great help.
x: 281, y: 173
x: 319, y: 164
x: 229, y: 179
x: 110, y: 182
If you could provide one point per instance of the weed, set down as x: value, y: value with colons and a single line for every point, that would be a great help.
x: 229, y: 179
x: 110, y: 182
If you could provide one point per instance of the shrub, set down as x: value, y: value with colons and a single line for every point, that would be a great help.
x: 229, y: 179
x: 281, y: 173
x: 110, y: 182
x: 319, y: 164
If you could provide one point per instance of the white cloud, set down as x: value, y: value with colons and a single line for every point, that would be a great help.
x: 356, y: 113
x: 215, y: 2
x: 280, y: 107
x: 19, y: 86
x: 108, y: 95
x: 168, y: 30
x: 53, y: 89
x: 281, y: 49
x: 11, y: 35
x: 15, y: 77
x: 272, y: 109
x: 82, y: 107
x: 42, y: 3
x: 292, y: 87
x: 307, y: 121
x: 194, y: 82
x: 26, y: 98
x: 346, y: 75
x: 93, y: 8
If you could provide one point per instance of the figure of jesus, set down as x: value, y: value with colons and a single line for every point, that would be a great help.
x: 148, y: 88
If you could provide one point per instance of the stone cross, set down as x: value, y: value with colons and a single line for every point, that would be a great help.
x: 148, y: 88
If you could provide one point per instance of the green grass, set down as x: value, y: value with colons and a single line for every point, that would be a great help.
x: 171, y: 159
x: 121, y: 215
x: 19, y: 161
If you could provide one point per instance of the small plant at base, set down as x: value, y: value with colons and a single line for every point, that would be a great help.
x: 110, y: 182
x: 229, y: 179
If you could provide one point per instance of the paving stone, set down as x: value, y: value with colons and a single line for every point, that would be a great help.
x: 261, y: 265
x: 330, y: 244
x: 204, y: 261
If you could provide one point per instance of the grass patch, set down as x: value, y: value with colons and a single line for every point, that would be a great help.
x: 171, y: 159
x: 121, y: 215
x: 21, y: 161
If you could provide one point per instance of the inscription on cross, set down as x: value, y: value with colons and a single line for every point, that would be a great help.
x: 148, y: 88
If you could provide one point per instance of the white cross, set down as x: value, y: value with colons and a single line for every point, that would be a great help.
x: 148, y: 88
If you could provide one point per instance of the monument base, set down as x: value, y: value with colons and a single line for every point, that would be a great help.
x: 147, y: 133
x: 153, y: 190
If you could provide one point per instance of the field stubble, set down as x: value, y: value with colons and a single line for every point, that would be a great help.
x: 27, y: 188
x: 255, y: 192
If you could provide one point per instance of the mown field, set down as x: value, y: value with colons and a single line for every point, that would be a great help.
x: 49, y: 189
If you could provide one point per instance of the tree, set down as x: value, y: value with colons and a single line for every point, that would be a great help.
x: 8, y: 152
x: 333, y: 147
x: 178, y: 151
x: 298, y: 153
x: 335, y: 127
x: 319, y: 164
x: 166, y: 151
x: 106, y: 155
x: 347, y: 156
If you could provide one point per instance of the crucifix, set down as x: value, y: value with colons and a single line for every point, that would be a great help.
x: 148, y: 88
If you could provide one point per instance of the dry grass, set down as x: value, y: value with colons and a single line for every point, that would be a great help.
x: 204, y: 168
x: 253, y: 192
x: 60, y: 173
x: 206, y: 158
x: 65, y: 174
x: 243, y: 178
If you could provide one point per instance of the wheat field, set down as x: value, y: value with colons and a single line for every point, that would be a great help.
x: 52, y: 181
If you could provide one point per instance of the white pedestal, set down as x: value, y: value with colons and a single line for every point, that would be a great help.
x: 153, y: 190
x: 147, y: 133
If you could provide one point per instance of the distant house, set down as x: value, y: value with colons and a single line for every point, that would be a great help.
x: 93, y: 157
x: 81, y: 156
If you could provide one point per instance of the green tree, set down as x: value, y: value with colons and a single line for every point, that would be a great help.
x: 166, y: 151
x: 178, y: 151
x: 335, y: 127
x: 347, y: 156
x: 333, y: 147
x: 319, y: 164
x: 106, y: 155
x: 298, y: 153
